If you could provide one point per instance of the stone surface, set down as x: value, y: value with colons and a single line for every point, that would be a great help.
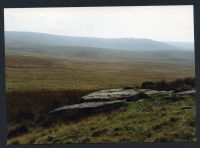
x: 101, y: 101
x: 88, y: 105
x: 153, y: 92
x: 108, y: 99
x: 180, y: 95
x: 189, y: 92
x: 113, y: 94
x: 183, y: 87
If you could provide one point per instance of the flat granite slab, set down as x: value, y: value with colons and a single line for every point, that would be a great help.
x: 151, y: 92
x: 112, y: 98
x: 88, y: 105
x: 112, y: 94
x: 189, y: 92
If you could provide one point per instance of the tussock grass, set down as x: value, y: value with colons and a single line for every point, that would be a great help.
x: 166, y: 122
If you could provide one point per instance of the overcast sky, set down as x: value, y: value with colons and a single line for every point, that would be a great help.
x: 161, y: 23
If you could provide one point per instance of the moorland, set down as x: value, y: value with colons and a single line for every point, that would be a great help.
x: 47, y: 71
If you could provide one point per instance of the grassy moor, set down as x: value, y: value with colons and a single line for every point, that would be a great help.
x: 100, y: 75
x: 37, y: 85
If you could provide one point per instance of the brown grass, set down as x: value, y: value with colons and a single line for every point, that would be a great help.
x: 31, y: 73
x: 25, y: 107
x: 37, y: 85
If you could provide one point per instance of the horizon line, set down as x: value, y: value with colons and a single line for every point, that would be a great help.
x: 97, y: 37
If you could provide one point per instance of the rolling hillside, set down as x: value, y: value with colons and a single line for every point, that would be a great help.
x: 124, y: 49
x: 184, y: 45
x: 15, y: 39
x: 44, y: 72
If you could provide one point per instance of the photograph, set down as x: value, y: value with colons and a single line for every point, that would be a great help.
x: 112, y: 74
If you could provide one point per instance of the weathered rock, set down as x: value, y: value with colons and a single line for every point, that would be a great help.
x: 114, y: 94
x: 189, y: 92
x: 82, y: 109
x: 108, y: 99
x: 183, y: 87
x: 151, y: 92
x: 180, y: 95
x: 100, y: 101
x: 87, y: 105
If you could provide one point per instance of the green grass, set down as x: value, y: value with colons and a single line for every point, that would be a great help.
x: 151, y: 120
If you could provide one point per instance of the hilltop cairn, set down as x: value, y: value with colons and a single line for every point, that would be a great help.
x: 108, y: 99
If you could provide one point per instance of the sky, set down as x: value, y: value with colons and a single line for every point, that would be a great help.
x: 161, y: 23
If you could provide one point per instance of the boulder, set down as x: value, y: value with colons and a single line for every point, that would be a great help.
x: 189, y: 93
x: 109, y: 99
x: 151, y: 92
x: 100, y: 101
x: 114, y: 94
x: 183, y: 87
x: 82, y: 109
x: 87, y: 105
x: 180, y: 95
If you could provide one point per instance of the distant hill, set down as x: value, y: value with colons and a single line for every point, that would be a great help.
x: 133, y: 44
x: 182, y: 45
x: 94, y: 48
